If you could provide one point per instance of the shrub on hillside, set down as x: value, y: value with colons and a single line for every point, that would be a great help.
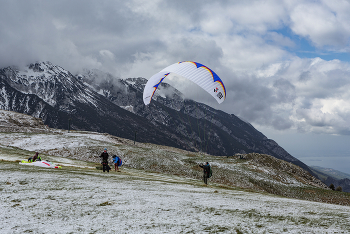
x: 339, y: 189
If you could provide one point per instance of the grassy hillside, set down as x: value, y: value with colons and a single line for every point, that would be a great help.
x: 158, y: 190
x: 254, y: 172
x: 260, y: 173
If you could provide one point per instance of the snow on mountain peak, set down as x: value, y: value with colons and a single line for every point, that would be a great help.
x: 47, y: 67
x: 51, y: 83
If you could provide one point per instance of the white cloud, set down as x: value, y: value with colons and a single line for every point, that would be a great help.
x: 106, y: 54
x: 217, y: 25
x: 324, y: 24
x: 59, y: 24
x: 244, y: 16
x: 242, y: 41
x: 304, y: 94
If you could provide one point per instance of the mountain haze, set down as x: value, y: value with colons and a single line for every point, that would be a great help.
x: 330, y: 176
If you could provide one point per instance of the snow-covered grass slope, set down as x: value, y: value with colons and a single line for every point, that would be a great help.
x: 73, y: 200
x: 159, y: 189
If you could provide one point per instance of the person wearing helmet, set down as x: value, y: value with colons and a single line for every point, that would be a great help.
x: 104, y: 156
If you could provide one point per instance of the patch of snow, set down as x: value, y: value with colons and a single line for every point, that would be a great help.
x: 41, y: 142
x: 130, y: 82
x: 39, y: 200
x: 128, y: 108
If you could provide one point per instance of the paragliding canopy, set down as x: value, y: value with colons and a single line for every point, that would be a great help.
x: 196, y: 72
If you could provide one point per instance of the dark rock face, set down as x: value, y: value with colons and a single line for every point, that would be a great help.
x: 97, y: 101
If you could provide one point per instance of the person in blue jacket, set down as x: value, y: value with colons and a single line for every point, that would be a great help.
x: 116, y: 161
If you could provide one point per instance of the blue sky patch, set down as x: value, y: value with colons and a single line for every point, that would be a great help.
x: 305, y: 49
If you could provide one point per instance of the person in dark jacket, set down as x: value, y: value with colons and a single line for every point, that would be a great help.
x: 104, y: 156
x: 206, y: 172
x: 36, y: 157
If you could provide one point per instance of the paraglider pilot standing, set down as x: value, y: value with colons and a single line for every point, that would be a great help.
x: 206, y: 172
x: 104, y: 157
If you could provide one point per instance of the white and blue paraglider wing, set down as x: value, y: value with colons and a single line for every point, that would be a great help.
x: 203, y: 76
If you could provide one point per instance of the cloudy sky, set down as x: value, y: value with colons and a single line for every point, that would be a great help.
x: 285, y: 63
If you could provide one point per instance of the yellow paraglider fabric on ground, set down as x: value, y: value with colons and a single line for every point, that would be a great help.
x: 43, y: 163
